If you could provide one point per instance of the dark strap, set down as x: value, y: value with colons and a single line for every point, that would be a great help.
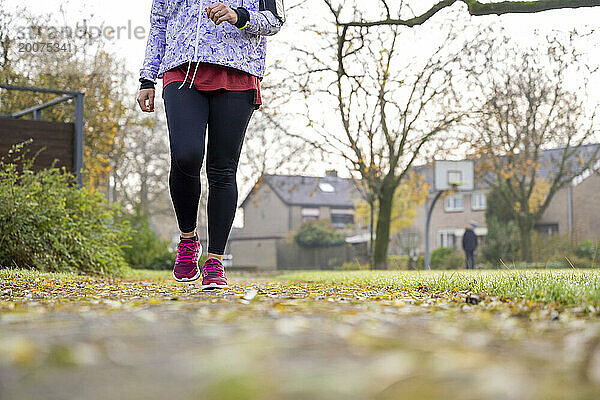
x: 146, y: 84
x: 275, y: 6
x: 243, y: 17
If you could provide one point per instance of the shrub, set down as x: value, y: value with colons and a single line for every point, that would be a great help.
x: 396, y: 262
x: 144, y: 249
x: 166, y: 260
x: 498, y: 208
x: 47, y: 223
x: 416, y: 262
x: 587, y: 249
x: 446, y: 258
x: 318, y: 233
x: 502, y: 241
x: 545, y: 248
x: 354, y: 265
x: 560, y: 250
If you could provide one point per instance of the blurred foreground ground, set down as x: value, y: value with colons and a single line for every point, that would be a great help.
x: 67, y: 337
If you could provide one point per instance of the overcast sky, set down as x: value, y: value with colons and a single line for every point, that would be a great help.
x: 134, y: 14
x: 121, y: 13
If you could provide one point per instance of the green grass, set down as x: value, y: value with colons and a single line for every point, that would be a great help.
x: 128, y: 274
x: 149, y: 275
x: 11, y: 273
x: 567, y: 287
x: 570, y: 287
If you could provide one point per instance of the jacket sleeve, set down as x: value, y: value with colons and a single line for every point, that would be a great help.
x: 155, y: 47
x: 268, y: 20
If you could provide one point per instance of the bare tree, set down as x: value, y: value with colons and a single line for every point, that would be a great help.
x: 389, y: 106
x: 527, y: 108
x: 269, y: 145
x: 268, y: 148
x: 474, y: 8
x: 6, y: 40
x: 141, y: 165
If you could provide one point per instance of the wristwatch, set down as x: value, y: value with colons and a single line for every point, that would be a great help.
x: 243, y: 17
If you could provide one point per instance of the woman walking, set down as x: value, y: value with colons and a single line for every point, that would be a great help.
x: 226, y: 48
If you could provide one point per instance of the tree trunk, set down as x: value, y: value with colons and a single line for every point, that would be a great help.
x: 382, y: 233
x: 371, y: 206
x: 525, y: 228
x: 144, y: 202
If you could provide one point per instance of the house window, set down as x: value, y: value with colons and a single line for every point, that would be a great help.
x: 447, y: 238
x: 326, y: 187
x: 546, y: 229
x: 478, y: 201
x: 408, y: 243
x: 341, y: 217
x: 454, y: 202
x: 309, y: 214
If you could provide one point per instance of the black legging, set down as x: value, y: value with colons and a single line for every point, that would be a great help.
x: 227, y: 114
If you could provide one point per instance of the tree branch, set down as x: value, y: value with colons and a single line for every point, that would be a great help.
x: 477, y: 8
x: 406, y: 22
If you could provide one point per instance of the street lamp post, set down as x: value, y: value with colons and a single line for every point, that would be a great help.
x: 427, y: 223
x: 428, y: 220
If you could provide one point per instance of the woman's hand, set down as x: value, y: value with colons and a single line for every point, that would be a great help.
x: 146, y: 100
x: 219, y: 12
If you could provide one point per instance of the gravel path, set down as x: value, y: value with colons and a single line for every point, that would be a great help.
x: 91, y: 338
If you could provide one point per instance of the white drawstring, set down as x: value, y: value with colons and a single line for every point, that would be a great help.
x: 186, y: 74
x: 195, y: 51
x: 193, y: 77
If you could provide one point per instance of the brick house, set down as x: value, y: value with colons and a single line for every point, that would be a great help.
x: 278, y: 204
x: 574, y: 211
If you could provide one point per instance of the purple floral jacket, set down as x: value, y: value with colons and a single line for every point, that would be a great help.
x: 180, y: 32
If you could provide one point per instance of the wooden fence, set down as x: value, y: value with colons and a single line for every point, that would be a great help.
x: 55, y: 137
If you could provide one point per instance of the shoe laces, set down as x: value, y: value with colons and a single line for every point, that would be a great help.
x: 213, y: 266
x: 187, y: 251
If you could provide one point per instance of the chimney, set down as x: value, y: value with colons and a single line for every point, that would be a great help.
x: 331, y: 172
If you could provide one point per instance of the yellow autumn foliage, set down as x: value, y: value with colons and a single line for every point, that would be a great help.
x: 538, y: 196
x: 97, y: 73
x: 407, y: 198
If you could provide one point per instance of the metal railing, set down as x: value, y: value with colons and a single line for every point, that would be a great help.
x: 37, y: 115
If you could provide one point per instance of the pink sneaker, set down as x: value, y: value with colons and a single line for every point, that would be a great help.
x: 186, y: 265
x: 213, y: 275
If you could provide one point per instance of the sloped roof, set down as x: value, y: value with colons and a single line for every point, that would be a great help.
x: 552, y: 157
x: 304, y: 190
x: 550, y: 161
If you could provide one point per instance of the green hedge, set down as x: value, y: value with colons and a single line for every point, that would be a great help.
x: 502, y: 241
x: 394, y: 262
x: 588, y: 250
x: 446, y: 258
x: 318, y: 233
x: 48, y: 224
x: 145, y: 250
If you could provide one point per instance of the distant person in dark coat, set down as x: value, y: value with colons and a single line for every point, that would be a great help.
x: 469, y: 244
